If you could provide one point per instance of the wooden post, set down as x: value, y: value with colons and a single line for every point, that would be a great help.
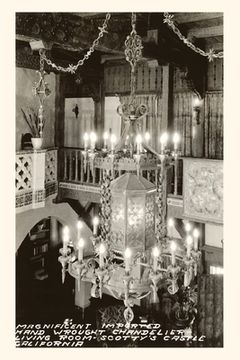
x: 164, y: 122
x: 94, y: 175
x: 76, y: 165
x: 88, y: 174
x: 65, y: 164
x: 97, y: 120
x: 99, y: 100
x: 198, y: 132
x: 175, y: 177
x: 101, y: 175
x: 59, y: 118
x: 81, y: 168
x: 70, y: 165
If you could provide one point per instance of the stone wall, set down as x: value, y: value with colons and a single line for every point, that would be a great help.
x: 25, y: 98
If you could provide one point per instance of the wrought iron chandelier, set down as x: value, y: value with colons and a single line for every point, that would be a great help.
x: 135, y: 255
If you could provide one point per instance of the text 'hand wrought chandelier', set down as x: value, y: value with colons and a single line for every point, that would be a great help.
x: 135, y: 255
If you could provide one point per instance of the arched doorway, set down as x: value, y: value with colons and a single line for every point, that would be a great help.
x: 40, y: 294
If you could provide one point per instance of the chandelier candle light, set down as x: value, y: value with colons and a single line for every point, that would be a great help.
x: 102, y: 250
x: 155, y: 253
x: 80, y: 249
x: 130, y: 236
x: 95, y: 225
x: 105, y: 138
x: 173, y: 250
x: 65, y: 239
x: 188, y: 227
x: 189, y: 246
x: 147, y: 137
x: 113, y: 140
x: 195, y: 237
x: 170, y: 226
x: 79, y: 228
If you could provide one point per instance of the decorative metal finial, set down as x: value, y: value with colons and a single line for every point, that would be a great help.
x: 131, y: 112
x: 41, y: 89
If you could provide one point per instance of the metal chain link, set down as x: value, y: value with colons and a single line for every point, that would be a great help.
x: 42, y: 52
x: 161, y: 227
x: 210, y: 54
x: 133, y: 54
x: 133, y: 21
x: 73, y: 68
x: 105, y: 215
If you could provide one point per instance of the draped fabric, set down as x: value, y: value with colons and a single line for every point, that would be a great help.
x: 213, y: 125
x: 210, y: 310
x: 148, y: 79
x: 152, y: 122
x: 183, y: 120
x: 112, y: 121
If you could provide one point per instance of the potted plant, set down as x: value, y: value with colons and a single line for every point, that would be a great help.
x: 32, y: 121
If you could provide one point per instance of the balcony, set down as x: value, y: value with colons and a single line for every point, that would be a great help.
x: 194, y: 186
x: 35, y: 178
x: 88, y: 182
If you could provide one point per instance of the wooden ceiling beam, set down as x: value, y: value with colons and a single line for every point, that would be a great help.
x: 206, y: 32
x: 183, y: 18
x: 105, y: 58
x: 65, y: 31
x: 89, y: 14
x: 217, y: 46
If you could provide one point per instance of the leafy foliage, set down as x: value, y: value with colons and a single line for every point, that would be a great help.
x: 32, y: 121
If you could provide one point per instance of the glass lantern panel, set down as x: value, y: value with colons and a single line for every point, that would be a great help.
x: 135, y: 222
x: 150, y: 220
x: 118, y: 222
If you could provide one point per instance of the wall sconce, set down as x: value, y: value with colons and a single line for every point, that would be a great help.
x: 197, y: 106
x: 78, y: 79
x: 76, y: 110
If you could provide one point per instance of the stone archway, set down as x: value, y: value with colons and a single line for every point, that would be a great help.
x: 63, y: 212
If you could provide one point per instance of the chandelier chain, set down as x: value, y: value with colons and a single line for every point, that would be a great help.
x: 105, y: 215
x: 134, y: 19
x: 211, y: 55
x: 161, y: 228
x: 133, y: 54
x: 134, y: 252
x: 41, y: 54
x: 73, y: 68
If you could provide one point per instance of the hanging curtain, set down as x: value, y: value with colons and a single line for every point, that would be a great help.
x: 183, y: 120
x: 112, y: 121
x: 213, y: 125
x: 153, y: 120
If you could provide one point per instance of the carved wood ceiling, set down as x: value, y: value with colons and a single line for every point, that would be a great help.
x: 69, y: 35
x: 76, y: 31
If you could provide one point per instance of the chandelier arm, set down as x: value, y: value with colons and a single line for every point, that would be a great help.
x: 144, y: 295
x: 108, y: 287
x: 149, y: 148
